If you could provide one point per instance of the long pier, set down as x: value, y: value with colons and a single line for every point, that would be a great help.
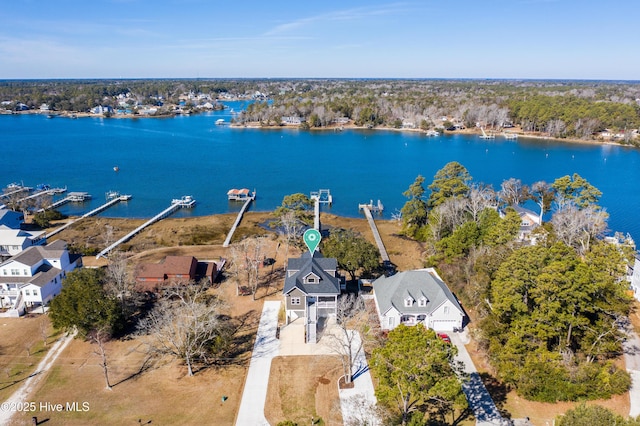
x: 175, y: 205
x: 10, y: 193
x: 376, y: 236
x: 244, y: 208
x: 91, y: 213
x: 76, y: 197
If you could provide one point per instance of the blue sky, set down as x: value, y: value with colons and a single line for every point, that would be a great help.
x: 562, y: 39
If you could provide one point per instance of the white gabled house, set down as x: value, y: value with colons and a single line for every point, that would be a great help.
x: 418, y: 296
x: 14, y: 241
x: 34, y: 276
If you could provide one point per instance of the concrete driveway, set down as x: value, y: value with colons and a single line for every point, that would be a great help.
x: 480, y: 401
x: 632, y: 361
x: 266, y: 347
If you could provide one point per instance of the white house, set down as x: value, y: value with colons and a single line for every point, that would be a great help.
x: 14, y: 241
x: 418, y: 296
x: 292, y: 120
x: 34, y: 276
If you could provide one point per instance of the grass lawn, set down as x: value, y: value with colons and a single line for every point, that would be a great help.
x: 302, y: 388
x: 22, y: 347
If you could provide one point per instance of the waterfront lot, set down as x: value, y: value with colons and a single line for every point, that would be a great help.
x: 161, y: 393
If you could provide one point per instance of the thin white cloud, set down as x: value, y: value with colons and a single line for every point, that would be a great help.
x: 339, y: 15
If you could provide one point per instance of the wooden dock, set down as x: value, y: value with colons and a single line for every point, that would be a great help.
x: 376, y: 236
x: 91, y: 213
x: 184, y: 202
x: 244, y: 208
x: 75, y: 197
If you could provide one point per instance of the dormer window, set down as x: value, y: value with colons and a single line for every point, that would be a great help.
x: 422, y: 302
x: 311, y: 279
x: 408, y: 302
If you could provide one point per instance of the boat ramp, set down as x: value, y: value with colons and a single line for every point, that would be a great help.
x: 238, y: 195
x: 177, y: 203
x: 111, y: 202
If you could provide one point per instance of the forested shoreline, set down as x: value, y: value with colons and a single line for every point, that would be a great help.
x: 584, y: 110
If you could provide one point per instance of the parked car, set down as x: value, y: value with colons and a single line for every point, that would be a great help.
x: 444, y: 337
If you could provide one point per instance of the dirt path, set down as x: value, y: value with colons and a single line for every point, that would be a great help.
x: 20, y: 397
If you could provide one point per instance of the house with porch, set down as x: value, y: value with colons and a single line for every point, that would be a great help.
x: 311, y: 290
x: 34, y: 276
x: 417, y: 296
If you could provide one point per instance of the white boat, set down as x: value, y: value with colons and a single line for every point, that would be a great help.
x: 185, y: 201
x: 110, y: 195
x: 433, y: 133
x: 510, y: 135
x: 220, y: 121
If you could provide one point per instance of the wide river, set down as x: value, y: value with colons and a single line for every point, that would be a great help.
x: 162, y: 159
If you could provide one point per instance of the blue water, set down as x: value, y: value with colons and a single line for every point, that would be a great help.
x: 162, y: 159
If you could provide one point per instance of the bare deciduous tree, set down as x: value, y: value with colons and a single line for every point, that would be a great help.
x: 100, y: 337
x: 119, y: 282
x: 578, y: 227
x: 480, y: 197
x: 513, y: 192
x: 292, y: 228
x: 346, y: 341
x: 185, y: 325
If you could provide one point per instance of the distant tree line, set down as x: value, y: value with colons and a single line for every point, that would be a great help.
x: 576, y: 109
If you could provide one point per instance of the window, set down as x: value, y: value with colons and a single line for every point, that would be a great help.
x: 391, y: 322
x: 311, y: 280
x: 422, y: 302
x: 446, y: 310
x: 25, y: 272
x: 295, y: 300
x: 408, y: 302
x: 35, y: 292
x: 15, y: 272
x: 27, y: 293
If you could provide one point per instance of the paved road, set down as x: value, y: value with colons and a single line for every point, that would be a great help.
x: 480, y: 401
x: 266, y: 347
x: 632, y: 361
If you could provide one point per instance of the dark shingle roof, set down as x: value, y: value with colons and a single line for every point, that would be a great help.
x: 324, y: 268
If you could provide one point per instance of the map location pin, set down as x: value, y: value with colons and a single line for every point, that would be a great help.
x: 311, y: 239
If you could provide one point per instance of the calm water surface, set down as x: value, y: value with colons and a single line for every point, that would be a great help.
x: 162, y: 159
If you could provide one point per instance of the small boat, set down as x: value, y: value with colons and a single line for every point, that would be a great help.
x: 185, y: 201
x: 433, y: 133
x: 42, y: 187
x: 110, y: 195
x: 116, y: 169
x: 220, y: 121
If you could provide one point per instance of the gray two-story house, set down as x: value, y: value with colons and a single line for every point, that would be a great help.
x: 311, y: 290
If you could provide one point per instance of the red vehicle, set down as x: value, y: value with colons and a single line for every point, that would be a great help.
x: 444, y: 337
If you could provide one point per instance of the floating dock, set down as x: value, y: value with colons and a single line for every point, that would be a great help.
x: 322, y: 196
x: 376, y: 235
x: 177, y: 203
x: 91, y: 213
x: 244, y: 208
